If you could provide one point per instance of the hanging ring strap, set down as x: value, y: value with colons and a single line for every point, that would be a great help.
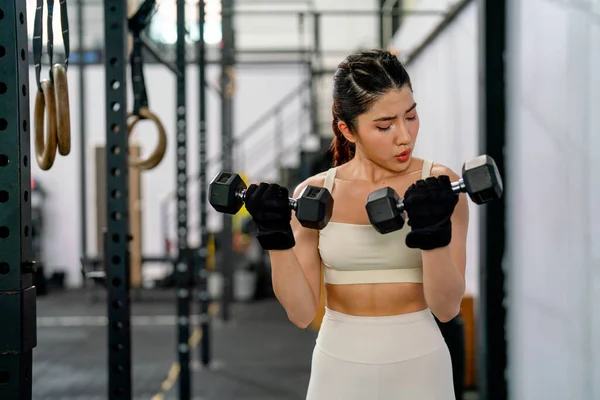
x: 51, y: 102
x: 138, y: 83
x: 159, y: 152
x: 141, y: 110
x: 45, y: 150
x: 58, y: 76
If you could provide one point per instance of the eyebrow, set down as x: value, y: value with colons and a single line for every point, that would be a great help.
x: 389, y: 118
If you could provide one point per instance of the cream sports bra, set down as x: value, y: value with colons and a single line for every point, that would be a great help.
x: 354, y: 254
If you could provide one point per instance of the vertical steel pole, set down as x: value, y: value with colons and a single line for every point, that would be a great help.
x: 116, y: 240
x: 18, y: 335
x: 203, y: 294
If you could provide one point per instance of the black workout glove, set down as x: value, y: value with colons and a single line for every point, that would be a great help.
x: 269, y: 206
x: 429, y: 205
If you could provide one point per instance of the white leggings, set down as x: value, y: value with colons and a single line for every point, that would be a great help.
x: 380, y: 358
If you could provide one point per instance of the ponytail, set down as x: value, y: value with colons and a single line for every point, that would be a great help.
x: 342, y: 149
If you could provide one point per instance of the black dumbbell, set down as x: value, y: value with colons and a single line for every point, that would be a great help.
x: 480, y: 180
x: 313, y: 208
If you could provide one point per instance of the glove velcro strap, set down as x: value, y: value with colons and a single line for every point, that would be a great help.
x: 430, y: 238
x: 276, y: 240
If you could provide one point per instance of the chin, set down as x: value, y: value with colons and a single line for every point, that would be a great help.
x: 400, y: 167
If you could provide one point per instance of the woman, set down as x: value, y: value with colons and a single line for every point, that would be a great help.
x: 378, y: 338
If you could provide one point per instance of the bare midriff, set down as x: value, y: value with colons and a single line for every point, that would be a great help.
x: 381, y: 299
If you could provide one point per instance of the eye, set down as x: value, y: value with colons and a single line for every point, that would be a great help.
x: 412, y: 117
x: 384, y: 129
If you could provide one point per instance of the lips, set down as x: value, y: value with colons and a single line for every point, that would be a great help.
x: 405, y: 153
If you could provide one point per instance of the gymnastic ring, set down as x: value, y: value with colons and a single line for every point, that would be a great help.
x: 230, y: 90
x: 159, y: 152
x: 45, y: 103
x: 63, y: 114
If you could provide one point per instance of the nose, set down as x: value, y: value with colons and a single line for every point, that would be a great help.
x: 402, y: 136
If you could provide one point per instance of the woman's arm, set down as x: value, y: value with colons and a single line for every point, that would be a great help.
x: 297, y: 272
x: 444, y: 268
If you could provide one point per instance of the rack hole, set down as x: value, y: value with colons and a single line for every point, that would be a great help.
x: 4, y: 196
x: 4, y: 232
x: 4, y: 268
x: 26, y: 196
x: 3, y: 160
x: 3, y: 88
x: 3, y: 124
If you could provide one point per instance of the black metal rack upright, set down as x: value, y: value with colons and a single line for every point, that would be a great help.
x: 183, y: 266
x: 116, y: 240
x: 201, y: 257
x: 491, y: 348
x: 18, y: 335
x: 227, y: 85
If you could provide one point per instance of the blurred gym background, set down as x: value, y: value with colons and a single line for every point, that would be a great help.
x: 545, y: 248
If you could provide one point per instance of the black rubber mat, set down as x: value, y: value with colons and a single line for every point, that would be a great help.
x: 259, y: 354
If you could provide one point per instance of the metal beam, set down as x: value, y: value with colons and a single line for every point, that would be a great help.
x: 82, y: 131
x: 491, y: 344
x: 202, y: 256
x: 183, y: 268
x: 17, y: 294
x: 230, y: 11
x: 116, y: 240
x: 227, y: 87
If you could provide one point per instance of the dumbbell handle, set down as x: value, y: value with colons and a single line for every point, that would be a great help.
x: 458, y: 187
x: 241, y: 194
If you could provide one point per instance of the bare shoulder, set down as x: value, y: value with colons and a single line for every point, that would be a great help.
x: 315, y: 180
x: 439, y: 169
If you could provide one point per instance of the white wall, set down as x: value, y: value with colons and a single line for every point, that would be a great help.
x: 444, y: 79
x: 552, y: 260
x: 257, y: 91
x: 554, y: 178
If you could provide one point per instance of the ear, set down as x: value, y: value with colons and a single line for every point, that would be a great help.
x: 345, y: 130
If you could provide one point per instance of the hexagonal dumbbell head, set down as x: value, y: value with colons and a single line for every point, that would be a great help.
x: 224, y: 192
x: 384, y: 210
x: 314, y: 207
x: 482, y: 179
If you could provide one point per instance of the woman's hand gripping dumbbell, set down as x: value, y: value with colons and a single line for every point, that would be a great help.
x: 271, y: 207
x: 430, y: 203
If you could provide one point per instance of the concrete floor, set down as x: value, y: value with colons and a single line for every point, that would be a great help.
x: 258, y: 355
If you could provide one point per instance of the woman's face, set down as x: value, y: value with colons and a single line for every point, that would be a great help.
x: 388, y: 131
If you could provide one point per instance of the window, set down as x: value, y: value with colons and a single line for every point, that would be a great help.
x: 163, y: 28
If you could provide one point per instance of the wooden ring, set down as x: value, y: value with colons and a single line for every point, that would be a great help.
x: 159, y: 152
x: 45, y: 150
x: 63, y: 114
x: 230, y: 89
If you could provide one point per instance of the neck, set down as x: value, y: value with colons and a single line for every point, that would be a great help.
x: 361, y: 168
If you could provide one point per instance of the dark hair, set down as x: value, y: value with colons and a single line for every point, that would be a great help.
x: 357, y: 83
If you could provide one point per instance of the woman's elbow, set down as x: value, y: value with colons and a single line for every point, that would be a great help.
x: 447, y: 315
x: 300, y: 322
